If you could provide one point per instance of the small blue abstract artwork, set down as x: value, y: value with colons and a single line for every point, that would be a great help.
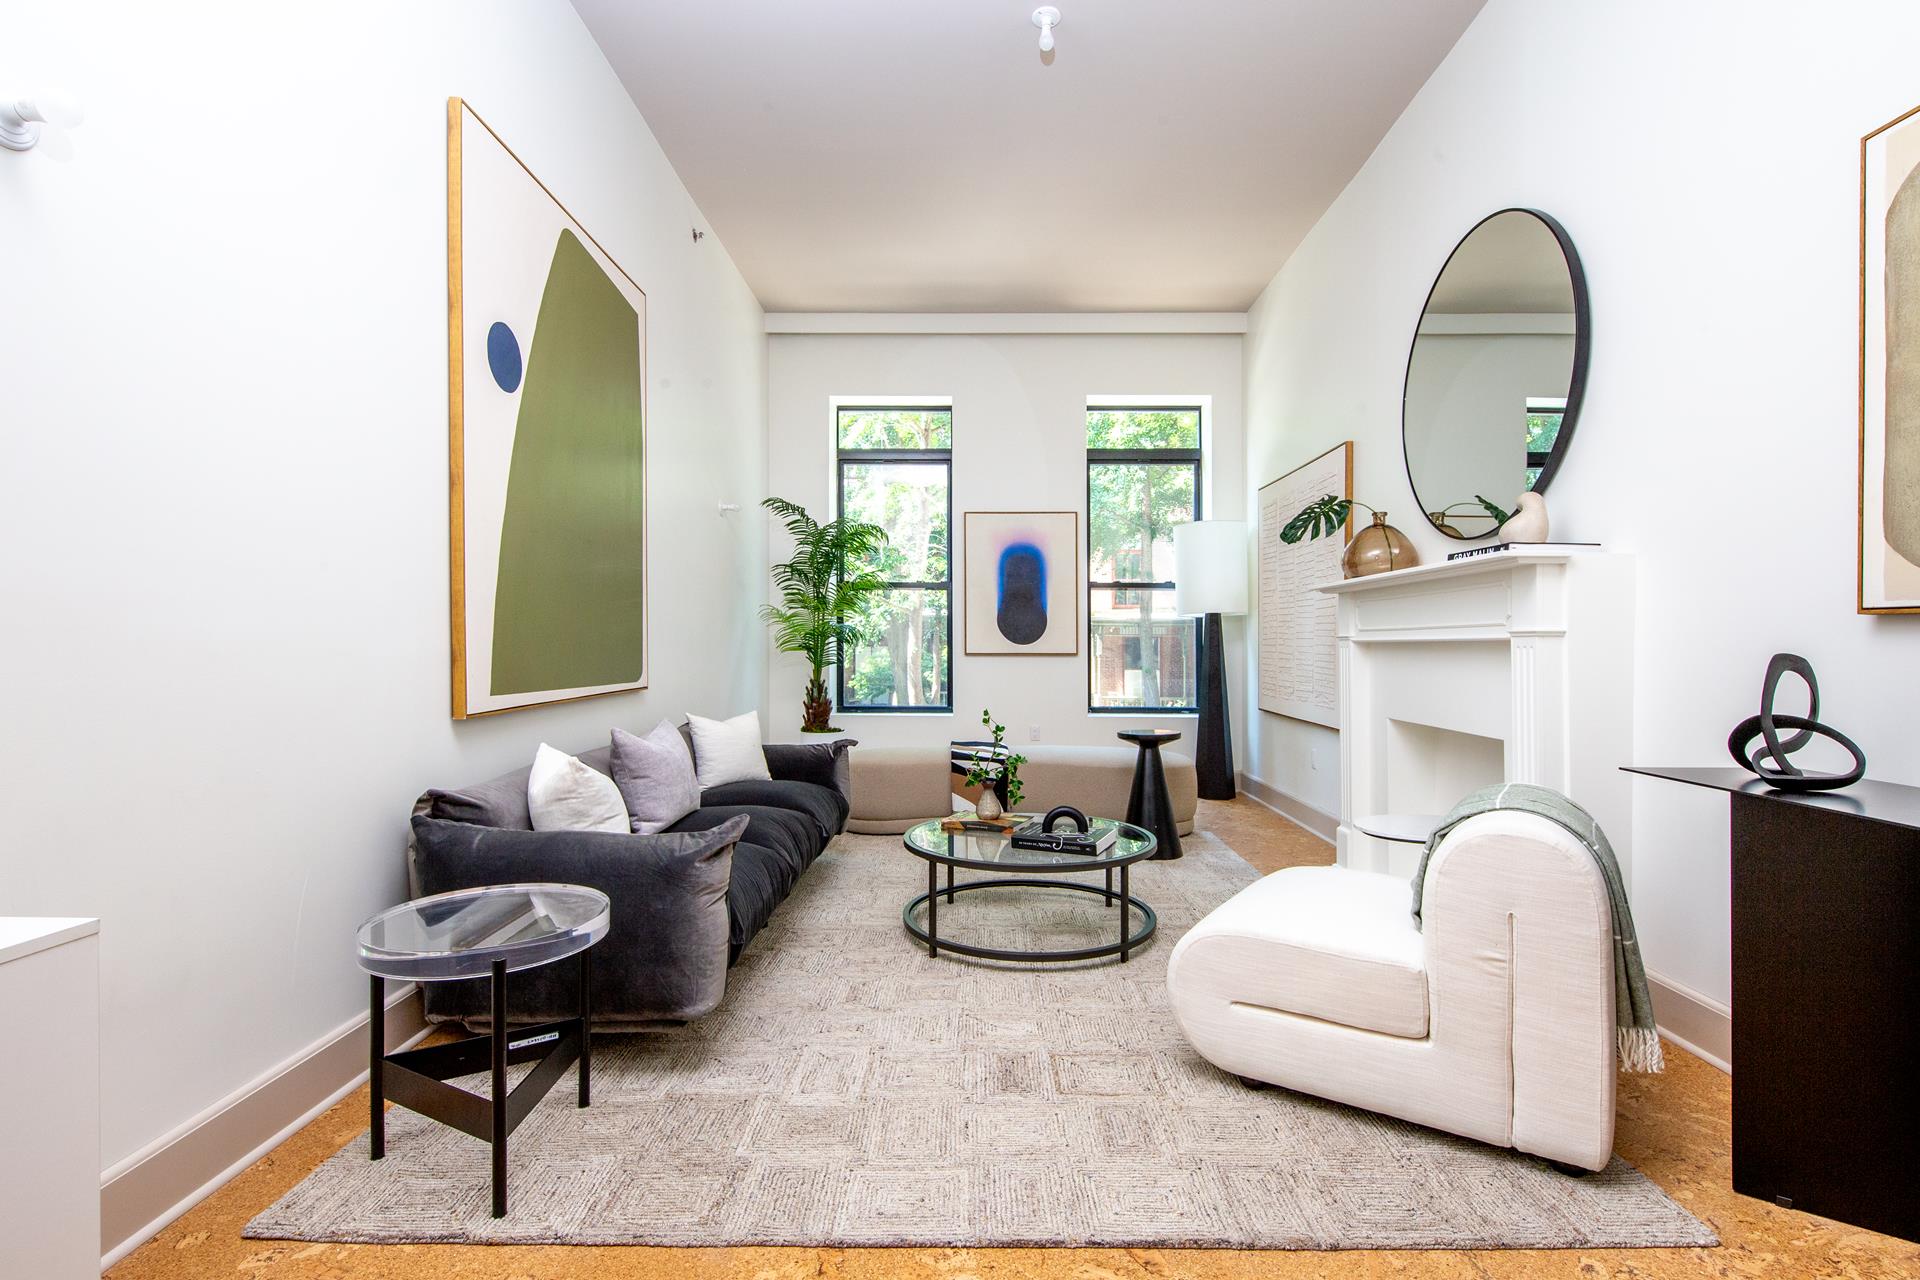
x: 1023, y: 582
x: 1022, y: 612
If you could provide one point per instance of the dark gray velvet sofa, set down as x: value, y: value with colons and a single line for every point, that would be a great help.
x: 666, y: 954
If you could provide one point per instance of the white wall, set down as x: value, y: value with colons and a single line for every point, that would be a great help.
x: 1704, y: 158
x: 223, y: 489
x: 1019, y: 443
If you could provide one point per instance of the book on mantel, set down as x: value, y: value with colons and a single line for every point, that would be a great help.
x: 1471, y: 552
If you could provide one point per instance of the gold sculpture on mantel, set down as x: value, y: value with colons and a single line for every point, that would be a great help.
x: 1377, y: 548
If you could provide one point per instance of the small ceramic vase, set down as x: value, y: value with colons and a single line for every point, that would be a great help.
x: 1528, y: 523
x: 988, y: 805
x: 1377, y: 548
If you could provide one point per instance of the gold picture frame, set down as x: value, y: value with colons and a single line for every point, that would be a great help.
x: 468, y: 701
x: 1887, y: 530
x: 1293, y: 616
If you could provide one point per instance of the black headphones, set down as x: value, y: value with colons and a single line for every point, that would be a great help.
x: 1067, y: 811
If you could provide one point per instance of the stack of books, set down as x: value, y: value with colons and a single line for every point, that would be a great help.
x: 1091, y: 843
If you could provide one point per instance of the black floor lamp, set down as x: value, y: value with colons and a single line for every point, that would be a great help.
x: 1210, y: 579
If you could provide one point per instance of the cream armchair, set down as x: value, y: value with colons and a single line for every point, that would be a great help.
x: 1495, y: 1022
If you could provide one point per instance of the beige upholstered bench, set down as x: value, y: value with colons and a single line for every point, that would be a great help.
x: 895, y: 787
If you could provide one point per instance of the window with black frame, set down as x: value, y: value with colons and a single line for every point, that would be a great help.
x: 896, y: 470
x: 1143, y: 478
x: 1544, y: 416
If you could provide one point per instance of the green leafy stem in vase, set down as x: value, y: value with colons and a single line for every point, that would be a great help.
x: 1498, y: 516
x: 1325, y: 515
x: 1319, y: 518
x: 988, y: 767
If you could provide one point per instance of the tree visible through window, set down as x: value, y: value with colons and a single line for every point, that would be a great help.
x: 1143, y: 478
x: 1543, y: 432
x: 896, y: 471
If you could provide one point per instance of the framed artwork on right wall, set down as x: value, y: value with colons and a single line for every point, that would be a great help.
x: 1890, y: 367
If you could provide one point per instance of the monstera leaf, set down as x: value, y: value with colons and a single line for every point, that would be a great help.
x: 1317, y: 519
x: 1499, y: 517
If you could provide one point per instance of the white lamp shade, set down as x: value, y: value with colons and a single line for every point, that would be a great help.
x: 1210, y: 567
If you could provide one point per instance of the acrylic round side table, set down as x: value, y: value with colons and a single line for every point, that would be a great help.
x: 467, y: 934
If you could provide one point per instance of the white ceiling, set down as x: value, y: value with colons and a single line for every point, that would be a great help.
x: 919, y: 155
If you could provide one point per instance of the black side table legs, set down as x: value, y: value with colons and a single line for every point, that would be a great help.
x: 376, y: 1094
x: 415, y: 1078
x: 1149, y: 805
x: 497, y: 1108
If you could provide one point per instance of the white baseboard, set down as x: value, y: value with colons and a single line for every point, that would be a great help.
x: 1290, y: 807
x: 150, y: 1188
x: 1699, y: 1024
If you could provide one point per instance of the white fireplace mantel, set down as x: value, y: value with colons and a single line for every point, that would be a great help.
x: 1515, y: 666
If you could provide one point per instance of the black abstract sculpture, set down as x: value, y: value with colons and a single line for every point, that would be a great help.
x: 1772, y: 760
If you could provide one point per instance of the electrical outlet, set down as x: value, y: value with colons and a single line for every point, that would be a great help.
x: 1033, y: 733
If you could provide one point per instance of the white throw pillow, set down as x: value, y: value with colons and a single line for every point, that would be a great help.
x: 655, y: 777
x: 728, y: 750
x: 565, y: 795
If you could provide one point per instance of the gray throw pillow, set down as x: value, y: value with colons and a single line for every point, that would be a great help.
x: 497, y: 802
x: 655, y: 776
x: 825, y: 764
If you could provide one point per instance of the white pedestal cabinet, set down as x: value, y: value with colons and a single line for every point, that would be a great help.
x: 49, y: 1098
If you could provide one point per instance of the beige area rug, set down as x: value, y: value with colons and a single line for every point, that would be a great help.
x: 852, y: 1091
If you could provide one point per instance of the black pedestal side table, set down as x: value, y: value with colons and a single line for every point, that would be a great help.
x: 467, y: 934
x: 1149, y: 806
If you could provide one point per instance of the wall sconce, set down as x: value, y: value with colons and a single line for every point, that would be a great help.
x: 21, y: 118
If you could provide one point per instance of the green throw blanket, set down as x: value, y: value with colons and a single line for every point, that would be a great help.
x: 1638, y: 1042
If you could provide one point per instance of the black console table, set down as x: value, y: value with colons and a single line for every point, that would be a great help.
x: 1826, y: 988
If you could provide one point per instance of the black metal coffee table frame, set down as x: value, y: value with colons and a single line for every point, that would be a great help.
x: 1031, y: 878
x: 416, y: 1078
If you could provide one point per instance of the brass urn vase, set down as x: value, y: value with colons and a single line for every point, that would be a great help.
x: 1377, y: 548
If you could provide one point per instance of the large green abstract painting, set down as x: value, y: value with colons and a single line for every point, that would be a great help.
x: 548, y: 429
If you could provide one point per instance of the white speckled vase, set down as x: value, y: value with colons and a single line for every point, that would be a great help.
x: 1528, y: 523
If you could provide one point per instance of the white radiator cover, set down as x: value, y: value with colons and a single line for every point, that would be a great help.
x: 1515, y: 666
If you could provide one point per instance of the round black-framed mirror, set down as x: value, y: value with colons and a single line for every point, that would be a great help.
x: 1496, y: 372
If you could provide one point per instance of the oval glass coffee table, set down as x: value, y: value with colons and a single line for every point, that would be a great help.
x: 1027, y: 869
x: 467, y: 934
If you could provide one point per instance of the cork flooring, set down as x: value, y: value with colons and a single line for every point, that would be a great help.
x: 1674, y: 1127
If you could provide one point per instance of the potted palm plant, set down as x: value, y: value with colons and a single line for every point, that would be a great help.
x: 823, y: 588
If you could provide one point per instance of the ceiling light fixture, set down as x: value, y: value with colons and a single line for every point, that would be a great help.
x: 21, y: 118
x: 1046, y: 17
